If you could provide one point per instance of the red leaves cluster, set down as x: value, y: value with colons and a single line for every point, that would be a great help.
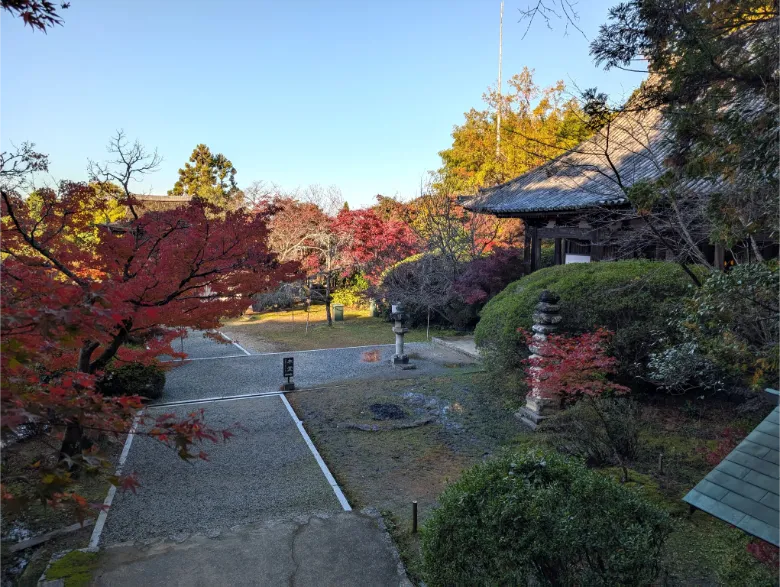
x: 765, y: 553
x: 70, y: 309
x: 374, y: 243
x: 182, y: 433
x: 728, y: 441
x: 484, y: 277
x: 353, y: 240
x: 573, y: 366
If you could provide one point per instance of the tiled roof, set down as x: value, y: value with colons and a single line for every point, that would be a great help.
x: 743, y: 489
x: 583, y: 177
x: 153, y: 203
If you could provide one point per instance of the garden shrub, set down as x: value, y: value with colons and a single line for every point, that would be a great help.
x: 634, y: 299
x: 542, y: 519
x: 285, y: 296
x: 727, y: 333
x: 580, y: 431
x: 133, y: 379
x: 351, y: 294
x: 683, y: 367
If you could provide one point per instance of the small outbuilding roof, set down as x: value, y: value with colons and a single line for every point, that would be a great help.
x: 630, y: 148
x: 743, y: 489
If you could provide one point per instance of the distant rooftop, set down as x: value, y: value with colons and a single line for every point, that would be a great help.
x: 156, y: 203
x: 743, y: 489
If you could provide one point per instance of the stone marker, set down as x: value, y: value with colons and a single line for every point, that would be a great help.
x: 546, y: 320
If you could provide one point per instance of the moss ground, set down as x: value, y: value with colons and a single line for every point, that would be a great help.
x: 390, y: 469
x: 75, y: 568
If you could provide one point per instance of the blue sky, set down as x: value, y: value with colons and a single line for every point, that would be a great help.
x: 360, y: 94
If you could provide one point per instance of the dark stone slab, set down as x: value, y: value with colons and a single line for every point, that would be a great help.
x: 711, y: 489
x: 754, y: 464
x: 733, y: 469
x: 771, y: 500
x: 752, y: 508
x: 753, y: 449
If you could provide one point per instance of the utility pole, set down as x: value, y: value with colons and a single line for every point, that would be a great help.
x: 498, y: 104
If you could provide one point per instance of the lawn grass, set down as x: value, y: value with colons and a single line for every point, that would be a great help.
x: 389, y: 469
x: 288, y: 331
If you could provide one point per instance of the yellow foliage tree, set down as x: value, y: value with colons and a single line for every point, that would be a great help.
x: 536, y: 125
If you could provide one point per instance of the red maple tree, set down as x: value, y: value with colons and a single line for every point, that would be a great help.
x: 68, y: 310
x: 573, y: 366
x: 577, y: 368
x: 373, y: 244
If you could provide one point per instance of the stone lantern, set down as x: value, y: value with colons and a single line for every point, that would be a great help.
x: 546, y: 319
x: 399, y: 317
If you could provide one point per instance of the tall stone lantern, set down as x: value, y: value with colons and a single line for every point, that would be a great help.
x: 399, y: 318
x: 546, y: 319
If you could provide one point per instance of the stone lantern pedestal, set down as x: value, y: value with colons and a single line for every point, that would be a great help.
x: 546, y: 319
x: 398, y: 316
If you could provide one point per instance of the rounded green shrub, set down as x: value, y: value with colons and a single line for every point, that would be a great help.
x: 542, y: 519
x: 352, y: 293
x: 633, y: 298
x: 133, y: 379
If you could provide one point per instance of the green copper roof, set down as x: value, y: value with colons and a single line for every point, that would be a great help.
x: 743, y: 489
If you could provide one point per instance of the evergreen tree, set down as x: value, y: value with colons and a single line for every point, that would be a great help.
x: 209, y: 177
x: 714, y: 73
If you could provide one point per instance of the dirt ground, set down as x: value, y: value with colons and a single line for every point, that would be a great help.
x: 25, y: 567
x: 448, y: 424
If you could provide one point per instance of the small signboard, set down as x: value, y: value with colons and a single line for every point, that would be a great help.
x: 288, y: 366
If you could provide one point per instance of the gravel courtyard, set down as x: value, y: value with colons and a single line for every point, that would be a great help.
x: 266, y: 471
x: 265, y: 480
x: 220, y: 370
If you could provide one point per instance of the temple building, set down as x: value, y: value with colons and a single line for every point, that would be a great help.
x: 578, y: 200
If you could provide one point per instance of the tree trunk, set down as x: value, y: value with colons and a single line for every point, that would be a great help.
x: 74, y: 443
x: 756, y: 249
x: 327, y: 301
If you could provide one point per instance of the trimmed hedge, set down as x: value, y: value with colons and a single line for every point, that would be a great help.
x: 542, y: 519
x: 632, y: 298
x: 133, y: 379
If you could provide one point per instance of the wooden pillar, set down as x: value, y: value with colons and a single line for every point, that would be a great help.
x: 558, y: 257
x: 596, y: 248
x: 527, y: 249
x: 719, y: 259
x: 536, y: 250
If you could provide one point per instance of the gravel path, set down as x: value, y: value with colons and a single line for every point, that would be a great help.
x: 200, y: 379
x: 198, y: 346
x: 266, y: 471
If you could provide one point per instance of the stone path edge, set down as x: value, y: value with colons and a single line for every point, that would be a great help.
x: 248, y: 354
x: 226, y: 337
x: 103, y: 515
x: 323, y: 467
x: 101, y: 520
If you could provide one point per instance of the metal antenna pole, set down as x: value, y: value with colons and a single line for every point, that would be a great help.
x: 498, y: 104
